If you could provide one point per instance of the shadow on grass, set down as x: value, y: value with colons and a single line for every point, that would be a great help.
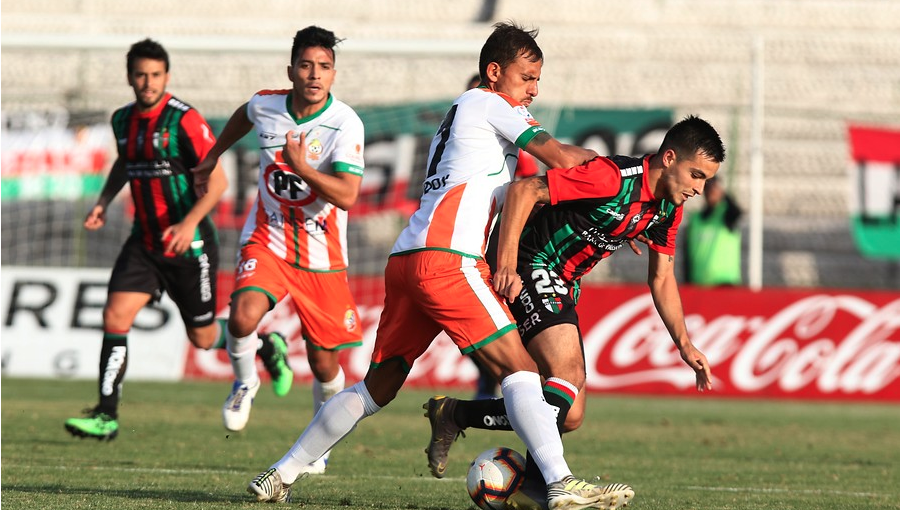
x: 160, y: 494
x: 188, y: 496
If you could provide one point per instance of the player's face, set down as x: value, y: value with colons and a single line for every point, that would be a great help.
x: 518, y: 80
x: 312, y: 75
x: 148, y: 78
x: 683, y: 178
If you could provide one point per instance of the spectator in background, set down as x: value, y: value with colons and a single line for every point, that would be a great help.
x: 713, y: 240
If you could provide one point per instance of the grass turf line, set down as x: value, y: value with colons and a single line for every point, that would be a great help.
x: 697, y: 453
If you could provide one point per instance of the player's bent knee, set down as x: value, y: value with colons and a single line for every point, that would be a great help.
x: 573, y: 420
x: 203, y: 337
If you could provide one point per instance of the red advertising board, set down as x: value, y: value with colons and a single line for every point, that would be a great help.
x: 776, y: 343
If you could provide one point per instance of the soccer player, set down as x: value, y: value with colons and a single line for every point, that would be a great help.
x: 437, y: 279
x: 295, y: 239
x: 526, y: 166
x: 173, y: 245
x: 594, y: 209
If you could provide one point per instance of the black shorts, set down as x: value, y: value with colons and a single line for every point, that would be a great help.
x: 189, y: 281
x: 545, y: 301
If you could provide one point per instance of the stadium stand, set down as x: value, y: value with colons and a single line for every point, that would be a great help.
x: 827, y: 63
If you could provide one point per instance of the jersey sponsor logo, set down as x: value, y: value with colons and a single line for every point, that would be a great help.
x: 265, y: 135
x: 148, y: 169
x: 601, y: 240
x: 287, y: 187
x: 615, y: 214
x: 435, y: 183
x: 316, y: 226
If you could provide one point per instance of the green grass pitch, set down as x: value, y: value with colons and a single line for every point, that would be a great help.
x: 677, y: 453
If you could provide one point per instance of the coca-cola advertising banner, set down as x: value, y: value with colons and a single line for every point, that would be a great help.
x: 808, y: 344
x: 816, y: 344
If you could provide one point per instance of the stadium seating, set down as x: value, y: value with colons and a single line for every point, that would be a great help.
x: 827, y: 63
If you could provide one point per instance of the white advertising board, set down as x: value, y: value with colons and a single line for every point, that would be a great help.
x: 52, y: 327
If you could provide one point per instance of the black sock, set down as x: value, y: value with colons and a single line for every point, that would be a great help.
x: 266, y: 350
x: 487, y: 414
x: 113, y: 362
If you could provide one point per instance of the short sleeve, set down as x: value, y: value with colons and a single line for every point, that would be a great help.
x: 349, y: 146
x: 512, y: 120
x: 598, y: 178
x: 662, y: 236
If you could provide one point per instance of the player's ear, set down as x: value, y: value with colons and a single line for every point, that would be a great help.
x: 493, y: 72
x: 290, y: 73
x: 669, y: 157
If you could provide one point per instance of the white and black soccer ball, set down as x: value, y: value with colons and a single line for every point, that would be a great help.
x: 493, y: 476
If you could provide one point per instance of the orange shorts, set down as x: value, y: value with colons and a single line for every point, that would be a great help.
x: 322, y: 301
x: 429, y: 291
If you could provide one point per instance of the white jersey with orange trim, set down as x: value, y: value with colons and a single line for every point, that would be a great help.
x: 471, y: 160
x: 288, y: 217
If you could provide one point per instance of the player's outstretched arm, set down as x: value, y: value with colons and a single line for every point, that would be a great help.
x: 556, y: 154
x: 116, y: 180
x: 664, y: 289
x: 237, y: 126
x: 520, y: 200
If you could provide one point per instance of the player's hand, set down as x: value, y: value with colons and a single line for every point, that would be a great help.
x: 96, y: 218
x: 697, y: 360
x: 178, y: 238
x: 294, y: 152
x: 507, y: 283
x: 634, y: 246
x: 201, y: 175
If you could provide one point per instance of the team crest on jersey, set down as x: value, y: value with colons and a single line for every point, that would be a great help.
x: 161, y: 139
x: 350, y: 320
x: 314, y: 149
x: 553, y: 303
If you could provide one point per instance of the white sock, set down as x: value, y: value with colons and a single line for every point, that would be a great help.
x: 322, y: 391
x: 337, y: 418
x: 534, y: 421
x: 242, y: 352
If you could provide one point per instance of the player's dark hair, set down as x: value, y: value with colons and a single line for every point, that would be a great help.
x: 693, y: 135
x: 507, y: 42
x: 313, y: 37
x: 148, y: 48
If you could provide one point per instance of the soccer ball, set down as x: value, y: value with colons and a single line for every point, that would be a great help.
x: 493, y: 476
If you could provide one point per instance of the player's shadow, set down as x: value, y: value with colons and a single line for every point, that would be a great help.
x: 186, y: 496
